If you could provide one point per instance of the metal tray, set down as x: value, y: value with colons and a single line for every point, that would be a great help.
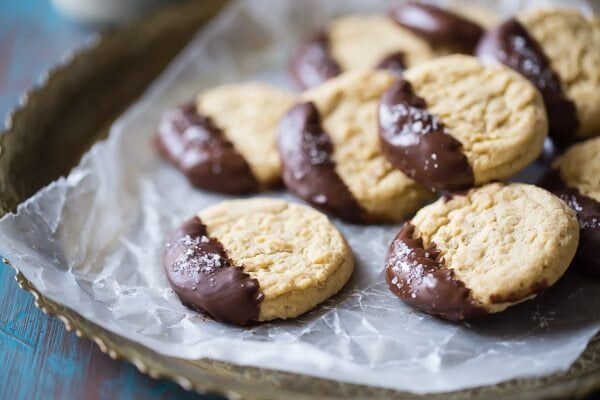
x: 56, y: 123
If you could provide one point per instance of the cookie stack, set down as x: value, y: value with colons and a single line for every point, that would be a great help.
x: 397, y: 111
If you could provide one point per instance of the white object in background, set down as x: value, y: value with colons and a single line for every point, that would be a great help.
x: 105, y: 11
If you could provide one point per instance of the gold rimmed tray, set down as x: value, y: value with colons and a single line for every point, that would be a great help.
x: 74, y: 106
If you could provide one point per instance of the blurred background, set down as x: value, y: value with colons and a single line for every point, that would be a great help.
x: 38, y: 357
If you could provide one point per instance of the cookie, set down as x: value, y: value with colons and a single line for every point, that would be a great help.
x: 482, y: 252
x: 453, y: 123
x: 557, y: 50
x: 412, y: 33
x: 331, y: 156
x: 575, y: 178
x: 257, y: 260
x: 226, y: 141
x: 347, y: 43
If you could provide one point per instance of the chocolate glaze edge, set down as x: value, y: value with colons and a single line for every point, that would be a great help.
x: 587, y: 257
x: 312, y: 63
x: 308, y: 168
x: 199, y: 149
x: 394, y: 62
x: 203, y: 277
x: 420, y: 278
x: 513, y: 46
x: 438, y: 26
x: 416, y: 142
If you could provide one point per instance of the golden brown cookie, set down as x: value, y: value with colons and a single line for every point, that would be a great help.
x: 412, y: 33
x: 331, y: 156
x: 226, y: 141
x: 483, y: 251
x: 257, y: 260
x: 453, y: 123
x: 348, y: 43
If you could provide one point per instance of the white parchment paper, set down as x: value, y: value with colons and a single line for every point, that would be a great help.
x: 93, y: 241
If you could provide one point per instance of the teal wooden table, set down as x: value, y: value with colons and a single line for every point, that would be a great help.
x: 38, y: 358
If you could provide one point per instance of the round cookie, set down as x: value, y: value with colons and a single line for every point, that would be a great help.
x: 575, y: 178
x: 412, y: 33
x: 227, y: 141
x: 331, y: 156
x: 557, y: 50
x: 347, y: 43
x: 482, y: 252
x: 453, y: 123
x: 257, y: 260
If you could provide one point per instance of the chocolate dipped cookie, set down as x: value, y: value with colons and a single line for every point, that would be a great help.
x: 366, y: 41
x: 557, y: 50
x: 453, y: 123
x: 483, y: 251
x: 257, y: 260
x: 225, y: 142
x: 331, y: 157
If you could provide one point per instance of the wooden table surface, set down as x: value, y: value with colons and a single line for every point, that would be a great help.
x: 38, y: 358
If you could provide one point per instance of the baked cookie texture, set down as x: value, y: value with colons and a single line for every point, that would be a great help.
x: 579, y: 168
x: 352, y: 42
x: 495, y: 113
x: 363, y: 41
x: 297, y: 256
x: 505, y: 243
x: 571, y: 41
x: 247, y: 114
x: 347, y: 105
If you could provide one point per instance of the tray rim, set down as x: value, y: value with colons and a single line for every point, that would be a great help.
x: 571, y: 387
x: 73, y: 321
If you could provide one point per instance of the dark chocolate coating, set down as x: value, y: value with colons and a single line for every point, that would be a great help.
x: 394, y: 62
x: 308, y: 168
x: 511, y: 44
x: 312, y: 63
x: 587, y: 258
x: 203, y: 277
x: 420, y: 278
x: 438, y: 26
x: 199, y: 149
x: 417, y: 143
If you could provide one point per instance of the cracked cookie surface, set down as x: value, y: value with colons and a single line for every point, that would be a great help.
x: 505, y: 243
x: 248, y: 114
x: 297, y: 256
x: 348, y: 108
x: 352, y: 40
x: 496, y: 114
x: 575, y: 178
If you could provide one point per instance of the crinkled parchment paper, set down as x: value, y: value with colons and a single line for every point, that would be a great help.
x: 93, y: 241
